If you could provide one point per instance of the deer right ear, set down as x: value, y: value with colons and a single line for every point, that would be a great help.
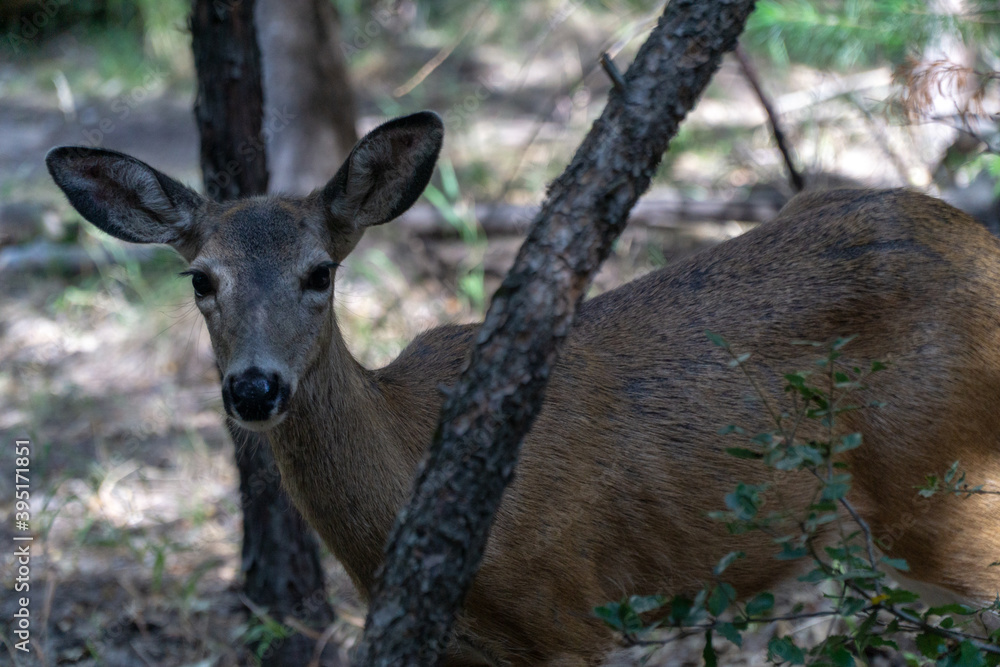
x: 126, y: 197
x: 386, y: 172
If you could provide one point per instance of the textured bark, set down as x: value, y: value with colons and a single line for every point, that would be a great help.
x: 280, y: 557
x: 281, y: 562
x: 437, y: 543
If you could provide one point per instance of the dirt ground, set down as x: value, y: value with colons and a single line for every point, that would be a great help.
x: 108, y: 372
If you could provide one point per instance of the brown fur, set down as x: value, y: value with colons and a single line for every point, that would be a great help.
x: 624, y: 461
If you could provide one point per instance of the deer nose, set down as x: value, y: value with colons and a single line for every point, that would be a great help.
x: 253, y: 395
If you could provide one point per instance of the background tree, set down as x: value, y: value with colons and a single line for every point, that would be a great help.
x: 309, y: 106
x: 281, y: 565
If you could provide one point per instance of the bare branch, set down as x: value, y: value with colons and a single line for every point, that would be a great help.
x: 750, y: 73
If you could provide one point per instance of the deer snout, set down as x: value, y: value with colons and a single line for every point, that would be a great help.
x: 254, y: 395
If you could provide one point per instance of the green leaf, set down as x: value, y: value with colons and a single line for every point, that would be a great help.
x: 680, y: 609
x: 931, y: 645
x: 841, y: 657
x: 796, y: 380
x: 611, y: 614
x: 836, y: 487
x: 863, y: 635
x: 720, y: 599
x: 969, y: 655
x: 729, y: 631
x: 760, y: 604
x: 644, y: 603
x: 841, y: 342
x: 851, y: 606
x: 789, y: 552
x: 951, y: 472
x: 898, y: 563
x: 930, y: 487
x: 744, y: 501
x: 847, y: 443
x: 726, y: 561
x: 901, y: 596
x: 960, y: 609
x: 743, y: 453
x: 814, y: 576
x: 783, y: 649
x: 876, y: 640
x: 717, y: 340
x: 740, y: 358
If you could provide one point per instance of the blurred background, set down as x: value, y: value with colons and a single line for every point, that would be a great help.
x: 104, y: 361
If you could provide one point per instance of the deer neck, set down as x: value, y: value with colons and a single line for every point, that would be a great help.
x: 347, y: 455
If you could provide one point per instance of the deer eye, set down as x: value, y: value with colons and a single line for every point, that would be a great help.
x: 319, y: 279
x: 201, y: 282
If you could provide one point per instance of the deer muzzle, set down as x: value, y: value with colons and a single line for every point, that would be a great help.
x: 255, y: 397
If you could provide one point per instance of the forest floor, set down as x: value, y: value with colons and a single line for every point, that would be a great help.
x: 110, y: 374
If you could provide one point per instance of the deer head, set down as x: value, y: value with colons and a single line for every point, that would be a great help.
x: 262, y: 268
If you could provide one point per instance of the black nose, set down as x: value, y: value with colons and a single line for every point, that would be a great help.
x: 253, y: 395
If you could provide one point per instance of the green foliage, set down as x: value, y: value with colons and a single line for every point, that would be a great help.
x: 952, y: 481
x: 859, y: 33
x: 871, y: 613
x: 262, y: 632
x: 460, y: 213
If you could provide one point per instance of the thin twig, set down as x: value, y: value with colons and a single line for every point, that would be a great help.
x: 441, y: 55
x: 700, y: 628
x: 797, y: 181
x: 612, y: 71
x: 980, y: 643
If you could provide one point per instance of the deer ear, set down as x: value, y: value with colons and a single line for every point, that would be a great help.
x: 386, y: 171
x: 126, y: 197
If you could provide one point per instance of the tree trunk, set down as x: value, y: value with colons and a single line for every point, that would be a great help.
x: 437, y: 543
x: 280, y: 557
x: 309, y: 110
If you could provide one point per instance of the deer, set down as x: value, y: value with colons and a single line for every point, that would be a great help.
x: 624, y: 462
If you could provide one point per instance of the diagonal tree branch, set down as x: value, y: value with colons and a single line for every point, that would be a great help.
x: 435, y: 547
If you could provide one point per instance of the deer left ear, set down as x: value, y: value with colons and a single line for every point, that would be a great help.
x: 126, y: 197
x: 386, y: 172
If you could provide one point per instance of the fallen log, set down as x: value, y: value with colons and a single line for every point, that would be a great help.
x: 673, y: 212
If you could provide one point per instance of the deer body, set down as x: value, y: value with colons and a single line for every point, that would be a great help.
x: 625, y: 460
